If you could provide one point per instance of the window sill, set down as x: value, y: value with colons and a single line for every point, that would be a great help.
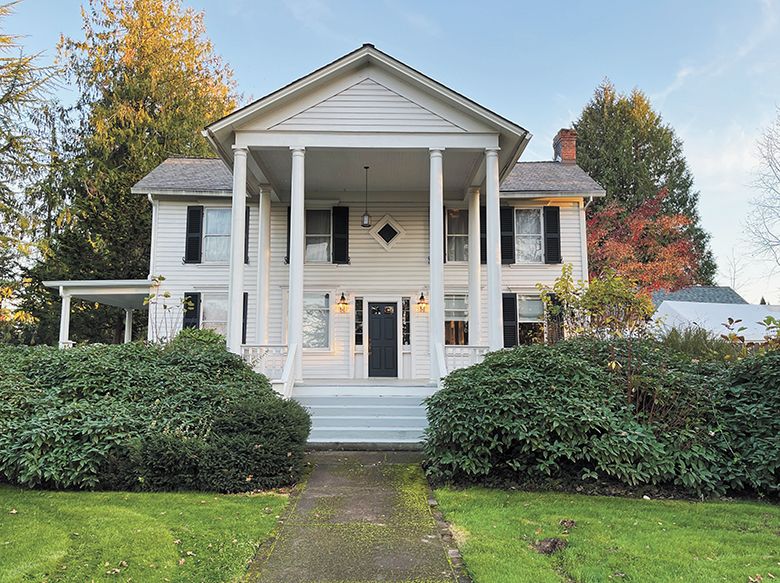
x: 525, y: 264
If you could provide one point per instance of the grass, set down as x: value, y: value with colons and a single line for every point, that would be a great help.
x: 614, y: 539
x: 119, y: 536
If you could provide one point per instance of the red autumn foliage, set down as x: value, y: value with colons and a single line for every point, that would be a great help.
x: 644, y: 244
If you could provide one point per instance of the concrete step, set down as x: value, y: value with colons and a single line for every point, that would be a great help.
x: 364, y: 410
x: 362, y: 391
x: 352, y: 434
x: 356, y: 401
x: 366, y: 421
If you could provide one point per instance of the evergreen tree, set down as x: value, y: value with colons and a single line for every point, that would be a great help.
x: 149, y: 81
x: 625, y: 146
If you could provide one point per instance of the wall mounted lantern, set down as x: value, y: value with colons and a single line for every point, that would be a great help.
x: 342, y: 306
x: 422, y: 304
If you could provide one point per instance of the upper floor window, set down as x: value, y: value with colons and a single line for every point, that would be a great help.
x: 318, y: 236
x: 216, y: 234
x: 457, y: 235
x: 528, y: 236
x: 456, y: 319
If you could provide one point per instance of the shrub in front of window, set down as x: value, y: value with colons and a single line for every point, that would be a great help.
x: 603, y: 413
x: 130, y: 416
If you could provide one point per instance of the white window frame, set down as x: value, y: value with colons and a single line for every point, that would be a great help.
x: 206, y: 296
x: 518, y: 235
x: 465, y: 296
x: 462, y: 235
x: 387, y: 220
x: 206, y: 212
x: 285, y: 319
x: 329, y: 234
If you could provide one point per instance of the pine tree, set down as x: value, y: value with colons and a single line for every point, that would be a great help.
x: 625, y: 146
x: 149, y: 81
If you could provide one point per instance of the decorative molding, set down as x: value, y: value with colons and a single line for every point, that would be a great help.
x: 387, y: 220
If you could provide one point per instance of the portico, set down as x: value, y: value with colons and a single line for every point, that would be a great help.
x: 305, y: 147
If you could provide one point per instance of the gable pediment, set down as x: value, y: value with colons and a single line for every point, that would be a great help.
x: 367, y: 106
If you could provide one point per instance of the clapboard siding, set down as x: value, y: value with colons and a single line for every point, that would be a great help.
x: 373, y: 273
x: 367, y: 106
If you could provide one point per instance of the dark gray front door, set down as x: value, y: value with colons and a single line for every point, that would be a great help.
x: 382, y: 340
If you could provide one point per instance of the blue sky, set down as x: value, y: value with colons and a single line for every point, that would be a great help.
x: 711, y: 68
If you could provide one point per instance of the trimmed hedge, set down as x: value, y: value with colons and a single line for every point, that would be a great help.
x: 138, y: 416
x: 587, y: 411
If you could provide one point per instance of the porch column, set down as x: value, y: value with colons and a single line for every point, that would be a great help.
x: 237, y: 225
x: 64, y: 319
x: 495, y: 322
x: 297, y: 218
x: 263, y: 264
x: 436, y: 230
x: 128, y: 325
x: 475, y: 275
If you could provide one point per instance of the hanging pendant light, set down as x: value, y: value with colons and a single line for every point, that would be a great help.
x: 365, y: 222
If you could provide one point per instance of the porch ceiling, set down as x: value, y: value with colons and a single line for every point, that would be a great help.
x: 330, y: 170
x: 123, y: 293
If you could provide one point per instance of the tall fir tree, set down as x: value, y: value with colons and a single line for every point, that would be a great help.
x: 149, y: 80
x: 626, y: 146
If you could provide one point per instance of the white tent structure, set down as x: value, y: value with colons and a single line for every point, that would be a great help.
x: 711, y: 317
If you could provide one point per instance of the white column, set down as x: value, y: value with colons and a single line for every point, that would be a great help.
x: 475, y: 282
x: 236, y: 281
x: 493, y: 243
x: 64, y: 319
x: 263, y: 265
x: 297, y: 218
x: 436, y: 230
x: 128, y: 325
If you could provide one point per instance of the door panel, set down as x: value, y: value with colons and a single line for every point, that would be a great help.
x: 382, y: 340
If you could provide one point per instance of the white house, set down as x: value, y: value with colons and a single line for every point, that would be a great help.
x: 385, y: 230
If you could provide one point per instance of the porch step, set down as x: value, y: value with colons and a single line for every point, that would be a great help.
x: 353, y: 414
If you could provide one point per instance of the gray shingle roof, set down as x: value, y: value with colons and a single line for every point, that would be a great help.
x: 706, y: 294
x: 553, y: 177
x: 211, y: 175
x: 187, y: 174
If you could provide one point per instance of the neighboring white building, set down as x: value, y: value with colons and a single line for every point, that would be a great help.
x: 712, y: 317
x: 460, y: 232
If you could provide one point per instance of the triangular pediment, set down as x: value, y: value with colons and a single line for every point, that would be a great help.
x: 367, y: 106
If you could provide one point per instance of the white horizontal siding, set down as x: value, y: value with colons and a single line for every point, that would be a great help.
x: 367, y: 106
x: 374, y: 273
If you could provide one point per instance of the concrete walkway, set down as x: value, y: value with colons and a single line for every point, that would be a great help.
x: 363, y: 516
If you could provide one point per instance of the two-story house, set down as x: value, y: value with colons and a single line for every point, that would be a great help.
x: 361, y: 224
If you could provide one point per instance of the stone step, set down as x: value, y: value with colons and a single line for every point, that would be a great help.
x: 363, y: 410
x: 420, y: 392
x: 367, y: 421
x: 360, y: 401
x: 352, y: 434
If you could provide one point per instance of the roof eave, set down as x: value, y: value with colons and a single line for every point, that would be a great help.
x: 551, y: 193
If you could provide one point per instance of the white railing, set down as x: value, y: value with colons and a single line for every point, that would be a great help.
x: 284, y: 384
x: 463, y: 356
x: 267, y: 359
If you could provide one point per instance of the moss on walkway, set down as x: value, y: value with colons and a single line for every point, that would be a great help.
x: 361, y: 517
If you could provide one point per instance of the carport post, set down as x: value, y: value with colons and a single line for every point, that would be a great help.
x: 64, y: 319
x: 128, y: 325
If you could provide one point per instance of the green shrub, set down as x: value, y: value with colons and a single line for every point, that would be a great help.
x: 257, y: 443
x: 700, y: 343
x: 627, y: 411
x: 131, y: 416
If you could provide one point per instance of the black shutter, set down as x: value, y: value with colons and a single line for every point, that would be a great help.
x: 444, y: 209
x: 482, y: 235
x: 194, y: 237
x: 244, y: 311
x: 287, y: 256
x: 510, y: 320
x: 191, y: 317
x: 552, y: 234
x: 246, y: 237
x: 340, y: 223
x: 507, y: 235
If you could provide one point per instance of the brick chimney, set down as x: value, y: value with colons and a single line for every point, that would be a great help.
x: 565, y: 146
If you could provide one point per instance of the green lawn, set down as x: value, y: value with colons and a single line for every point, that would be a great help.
x: 615, y: 539
x: 118, y: 536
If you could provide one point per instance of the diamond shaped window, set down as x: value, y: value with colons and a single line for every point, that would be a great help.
x: 387, y: 232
